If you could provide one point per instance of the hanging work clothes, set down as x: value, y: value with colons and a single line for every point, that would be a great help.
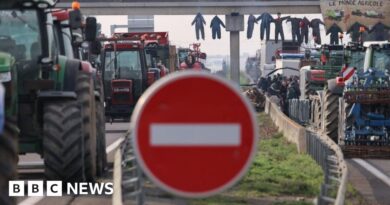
x: 265, y: 24
x: 315, y: 25
x: 304, y: 26
x: 354, y: 31
x: 278, y: 21
x: 379, y: 30
x: 334, y: 31
x: 295, y: 31
x: 251, y: 26
x: 215, y: 26
x: 199, y: 25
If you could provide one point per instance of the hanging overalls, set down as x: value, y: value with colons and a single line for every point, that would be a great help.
x: 315, y: 25
x: 279, y: 28
x: 199, y: 29
x: 304, y: 26
x: 334, y: 31
x: 354, y: 31
x: 215, y: 26
x: 251, y: 26
x: 295, y: 32
x: 266, y: 20
x: 379, y: 30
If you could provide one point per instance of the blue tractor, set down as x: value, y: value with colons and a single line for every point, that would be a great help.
x: 364, y: 122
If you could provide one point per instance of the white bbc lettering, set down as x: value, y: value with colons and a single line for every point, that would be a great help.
x: 72, y: 188
x: 83, y: 188
x: 16, y: 188
x: 109, y: 188
x: 54, y: 188
x: 96, y: 188
x: 35, y: 188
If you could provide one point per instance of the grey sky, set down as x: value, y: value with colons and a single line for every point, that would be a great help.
x: 182, y: 33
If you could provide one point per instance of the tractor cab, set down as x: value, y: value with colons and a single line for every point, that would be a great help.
x: 377, y: 56
x: 354, y: 55
x: 157, y: 52
x: 124, y: 72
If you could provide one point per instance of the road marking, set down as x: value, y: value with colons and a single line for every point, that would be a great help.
x: 197, y: 134
x: 114, y: 145
x: 373, y: 171
x: 31, y: 200
x: 36, y: 199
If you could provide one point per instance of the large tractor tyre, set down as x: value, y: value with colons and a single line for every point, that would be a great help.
x: 63, y: 142
x: 331, y: 113
x: 101, y: 161
x: 345, y: 121
x: 316, y: 113
x: 308, y: 89
x: 86, y: 97
x: 8, y: 160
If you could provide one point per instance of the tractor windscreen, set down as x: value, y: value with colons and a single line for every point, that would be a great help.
x: 357, y: 60
x: 381, y: 59
x: 336, y: 58
x: 20, y: 35
x: 123, y: 64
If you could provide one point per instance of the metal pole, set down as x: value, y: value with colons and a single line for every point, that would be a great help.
x: 235, y: 56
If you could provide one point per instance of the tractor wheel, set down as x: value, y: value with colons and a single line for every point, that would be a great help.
x: 316, y: 113
x: 101, y: 161
x: 63, y: 142
x: 331, y: 113
x: 8, y: 159
x: 345, y: 121
x: 86, y: 97
x: 309, y: 90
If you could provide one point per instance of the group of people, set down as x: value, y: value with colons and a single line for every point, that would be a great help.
x: 285, y: 88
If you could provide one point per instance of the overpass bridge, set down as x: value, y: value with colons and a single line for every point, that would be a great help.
x: 179, y: 7
x: 230, y: 8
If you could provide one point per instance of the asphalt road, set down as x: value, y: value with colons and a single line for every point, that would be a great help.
x: 114, y: 133
x: 371, y: 178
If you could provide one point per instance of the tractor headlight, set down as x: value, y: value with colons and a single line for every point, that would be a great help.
x: 5, y: 77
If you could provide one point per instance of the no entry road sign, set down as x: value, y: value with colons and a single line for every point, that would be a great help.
x: 194, y: 134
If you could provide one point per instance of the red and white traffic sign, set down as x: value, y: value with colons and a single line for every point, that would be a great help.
x: 194, y: 134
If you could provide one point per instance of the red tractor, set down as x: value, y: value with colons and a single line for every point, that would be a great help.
x: 192, y: 58
x: 158, y: 52
x: 125, y: 75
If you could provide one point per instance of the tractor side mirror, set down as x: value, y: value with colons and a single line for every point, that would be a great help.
x: 90, y: 29
x: 75, y: 19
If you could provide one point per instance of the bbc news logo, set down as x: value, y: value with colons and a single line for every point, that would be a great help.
x: 56, y: 188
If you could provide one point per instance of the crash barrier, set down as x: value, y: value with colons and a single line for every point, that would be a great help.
x: 299, y: 111
x: 128, y: 178
x: 329, y: 156
x: 294, y: 132
x: 321, y: 148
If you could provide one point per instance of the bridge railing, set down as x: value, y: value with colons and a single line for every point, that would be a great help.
x: 321, y: 148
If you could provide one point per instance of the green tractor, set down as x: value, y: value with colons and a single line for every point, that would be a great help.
x: 316, y: 84
x: 68, y: 29
x: 50, y: 98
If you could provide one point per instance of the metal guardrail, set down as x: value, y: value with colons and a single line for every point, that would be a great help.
x: 321, y: 148
x: 329, y: 156
x: 299, y: 111
x: 128, y: 177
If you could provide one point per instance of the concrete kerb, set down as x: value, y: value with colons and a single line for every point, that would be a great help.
x: 117, y: 196
x: 296, y: 133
